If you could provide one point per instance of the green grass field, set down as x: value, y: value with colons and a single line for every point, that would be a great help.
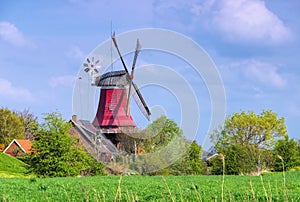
x: 269, y: 187
x: 11, y: 167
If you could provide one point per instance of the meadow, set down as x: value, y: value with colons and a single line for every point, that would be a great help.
x: 268, y: 187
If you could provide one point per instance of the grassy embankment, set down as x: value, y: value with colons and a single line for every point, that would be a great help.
x: 11, y: 167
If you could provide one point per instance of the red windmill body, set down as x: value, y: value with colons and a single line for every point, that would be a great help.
x: 112, y: 105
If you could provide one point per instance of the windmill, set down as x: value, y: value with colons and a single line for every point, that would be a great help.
x: 113, y: 113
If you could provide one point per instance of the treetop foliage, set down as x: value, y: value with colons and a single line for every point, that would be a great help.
x: 160, y: 133
x: 248, y: 128
x: 11, y: 126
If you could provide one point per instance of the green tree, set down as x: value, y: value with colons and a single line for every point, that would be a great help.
x: 246, y: 139
x: 11, y: 126
x: 190, y: 163
x: 56, y: 153
x: 159, y: 134
x: 286, y: 151
x: 164, y: 138
x: 298, y: 147
x: 194, y: 159
x: 215, y: 166
x: 240, y: 159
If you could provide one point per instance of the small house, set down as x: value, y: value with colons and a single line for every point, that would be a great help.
x: 18, y: 148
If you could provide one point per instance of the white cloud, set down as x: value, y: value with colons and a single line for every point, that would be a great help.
x: 236, y: 20
x: 257, y: 72
x: 10, y: 33
x: 67, y: 80
x: 265, y: 73
x: 249, y: 20
x: 18, y: 94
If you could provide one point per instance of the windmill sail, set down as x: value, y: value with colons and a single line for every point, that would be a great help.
x: 138, y: 98
x: 120, y: 55
x: 137, y: 50
x: 136, y: 93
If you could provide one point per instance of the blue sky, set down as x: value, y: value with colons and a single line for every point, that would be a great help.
x: 255, y: 45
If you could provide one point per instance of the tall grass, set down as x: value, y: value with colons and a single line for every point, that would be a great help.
x: 168, y: 188
x: 223, y: 177
x: 263, y: 186
x: 284, y: 180
x: 252, y: 191
x: 118, y: 196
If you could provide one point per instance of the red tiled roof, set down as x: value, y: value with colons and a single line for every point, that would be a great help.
x: 25, y: 144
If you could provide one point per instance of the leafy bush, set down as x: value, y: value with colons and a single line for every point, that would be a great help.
x: 57, y: 153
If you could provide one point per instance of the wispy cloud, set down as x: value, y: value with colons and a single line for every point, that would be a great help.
x: 11, y: 34
x: 249, y: 20
x: 265, y: 73
x: 245, y: 21
x: 256, y: 72
x: 66, y: 80
x: 14, y: 93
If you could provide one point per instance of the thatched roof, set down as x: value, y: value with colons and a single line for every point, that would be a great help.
x: 114, y: 78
